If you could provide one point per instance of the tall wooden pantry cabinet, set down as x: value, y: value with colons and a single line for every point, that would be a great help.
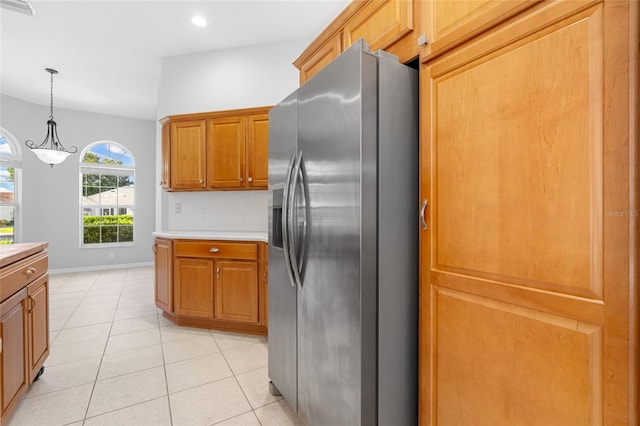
x: 529, y: 261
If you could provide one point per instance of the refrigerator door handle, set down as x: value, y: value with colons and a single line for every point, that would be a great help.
x: 285, y: 220
x: 292, y: 228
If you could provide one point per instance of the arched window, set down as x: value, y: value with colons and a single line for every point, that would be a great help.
x: 10, y: 192
x: 107, y: 195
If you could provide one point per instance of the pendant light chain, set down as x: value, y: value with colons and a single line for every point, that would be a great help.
x: 51, y: 110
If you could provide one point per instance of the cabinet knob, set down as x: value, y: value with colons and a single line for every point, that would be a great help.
x: 241, y: 179
x: 214, y: 250
x: 250, y: 179
x: 30, y: 270
x: 201, y: 180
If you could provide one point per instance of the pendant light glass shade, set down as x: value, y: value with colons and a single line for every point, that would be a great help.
x: 51, y: 151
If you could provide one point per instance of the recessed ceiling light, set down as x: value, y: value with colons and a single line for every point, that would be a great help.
x: 199, y: 21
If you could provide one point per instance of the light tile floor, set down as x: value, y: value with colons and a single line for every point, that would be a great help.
x: 115, y: 360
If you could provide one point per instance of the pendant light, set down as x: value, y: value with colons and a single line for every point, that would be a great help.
x: 51, y: 151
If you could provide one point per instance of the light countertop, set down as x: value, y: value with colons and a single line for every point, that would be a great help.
x: 13, y: 252
x: 214, y: 235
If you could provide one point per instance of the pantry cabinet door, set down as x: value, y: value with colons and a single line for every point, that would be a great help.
x: 528, y: 292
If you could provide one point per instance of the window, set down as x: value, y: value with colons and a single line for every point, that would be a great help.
x: 107, y: 195
x: 10, y: 173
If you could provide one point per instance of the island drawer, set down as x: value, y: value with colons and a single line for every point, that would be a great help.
x: 17, y: 275
x: 216, y: 249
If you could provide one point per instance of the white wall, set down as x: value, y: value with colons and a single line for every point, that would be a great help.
x: 50, y: 196
x: 260, y: 75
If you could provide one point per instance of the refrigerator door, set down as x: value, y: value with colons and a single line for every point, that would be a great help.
x: 337, y: 299
x: 281, y: 291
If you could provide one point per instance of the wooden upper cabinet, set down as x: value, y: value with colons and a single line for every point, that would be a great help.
x: 221, y: 150
x: 392, y: 25
x: 258, y: 151
x: 321, y: 58
x: 188, y: 154
x: 165, y: 181
x: 226, y: 152
x: 380, y: 24
x: 450, y: 23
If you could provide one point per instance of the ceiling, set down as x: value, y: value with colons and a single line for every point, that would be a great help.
x: 108, y: 53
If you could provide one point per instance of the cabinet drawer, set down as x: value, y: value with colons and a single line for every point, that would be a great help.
x: 216, y: 249
x: 19, y: 274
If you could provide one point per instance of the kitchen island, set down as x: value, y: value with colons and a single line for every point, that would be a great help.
x: 24, y: 319
x: 214, y: 280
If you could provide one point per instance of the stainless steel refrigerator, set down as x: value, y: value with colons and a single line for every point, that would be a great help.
x: 343, y: 243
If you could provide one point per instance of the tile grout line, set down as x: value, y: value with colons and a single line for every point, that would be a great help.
x: 164, y: 367
x: 106, y: 343
x: 238, y: 383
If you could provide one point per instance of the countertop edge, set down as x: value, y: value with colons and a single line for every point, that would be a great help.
x: 213, y: 235
x: 12, y: 253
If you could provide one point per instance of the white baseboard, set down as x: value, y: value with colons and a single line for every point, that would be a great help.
x: 99, y: 268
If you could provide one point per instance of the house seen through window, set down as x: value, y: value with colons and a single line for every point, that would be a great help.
x: 10, y: 172
x: 107, y: 195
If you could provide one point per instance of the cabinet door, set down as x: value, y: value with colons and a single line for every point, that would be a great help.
x: 38, y: 310
x: 450, y: 23
x: 163, y: 254
x: 237, y: 291
x: 13, y: 332
x: 226, y: 152
x: 258, y: 151
x: 188, y: 154
x: 166, y: 156
x: 321, y: 58
x: 380, y: 24
x: 193, y: 287
x: 527, y: 260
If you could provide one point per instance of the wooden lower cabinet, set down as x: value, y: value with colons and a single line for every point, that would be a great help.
x: 38, y: 322
x: 216, y: 284
x: 236, y: 291
x: 24, y: 320
x: 15, y: 339
x: 163, y: 261
x: 193, y: 287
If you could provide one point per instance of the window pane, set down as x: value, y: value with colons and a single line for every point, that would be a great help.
x: 109, y: 234
x: 126, y: 233
x: 108, y: 153
x: 7, y: 185
x: 7, y: 215
x: 5, y: 147
x: 108, y: 194
x: 91, y: 234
